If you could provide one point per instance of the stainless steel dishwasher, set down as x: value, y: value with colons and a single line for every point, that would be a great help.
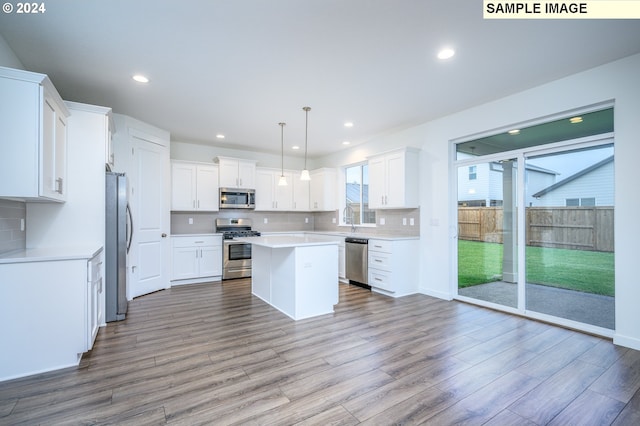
x: 357, y: 262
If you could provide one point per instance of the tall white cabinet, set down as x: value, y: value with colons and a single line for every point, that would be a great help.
x: 394, y: 179
x: 194, y: 186
x: 33, y: 138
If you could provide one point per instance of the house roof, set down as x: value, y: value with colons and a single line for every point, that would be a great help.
x: 573, y: 177
x: 353, y: 193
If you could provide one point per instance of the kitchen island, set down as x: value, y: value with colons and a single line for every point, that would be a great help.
x: 298, y: 275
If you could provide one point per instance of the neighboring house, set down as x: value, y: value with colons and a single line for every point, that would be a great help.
x: 592, y: 186
x: 481, y: 185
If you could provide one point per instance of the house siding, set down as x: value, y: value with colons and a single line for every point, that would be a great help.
x: 598, y: 183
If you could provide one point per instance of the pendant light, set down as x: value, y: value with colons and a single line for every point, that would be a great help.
x: 305, y: 173
x: 283, y: 180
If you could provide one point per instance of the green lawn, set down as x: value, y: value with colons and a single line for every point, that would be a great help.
x: 587, y: 271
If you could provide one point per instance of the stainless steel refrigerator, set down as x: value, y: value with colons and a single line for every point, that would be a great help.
x: 117, y: 242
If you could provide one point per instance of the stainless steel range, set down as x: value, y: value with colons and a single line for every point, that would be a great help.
x: 236, y: 257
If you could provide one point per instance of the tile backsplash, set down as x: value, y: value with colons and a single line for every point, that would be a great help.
x: 12, y: 215
x: 294, y: 221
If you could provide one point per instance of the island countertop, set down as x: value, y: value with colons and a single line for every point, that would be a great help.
x: 284, y: 241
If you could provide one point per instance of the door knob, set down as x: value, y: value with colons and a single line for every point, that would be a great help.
x: 164, y: 235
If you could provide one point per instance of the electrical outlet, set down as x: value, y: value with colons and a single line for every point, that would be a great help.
x: 333, y: 220
x: 22, y: 224
x: 382, y: 221
x: 412, y: 222
x: 265, y: 220
x: 190, y: 221
x: 404, y: 221
x: 306, y: 220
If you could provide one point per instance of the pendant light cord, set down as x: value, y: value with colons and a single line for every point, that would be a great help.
x: 282, y: 147
x: 306, y: 127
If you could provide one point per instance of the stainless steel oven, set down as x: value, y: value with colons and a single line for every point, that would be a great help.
x: 236, y: 260
x: 236, y: 257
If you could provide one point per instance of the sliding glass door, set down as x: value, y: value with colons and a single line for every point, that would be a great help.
x: 535, y: 215
x: 487, y: 232
x: 569, y: 236
x: 552, y: 259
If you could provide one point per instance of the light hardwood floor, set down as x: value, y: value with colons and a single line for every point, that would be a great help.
x: 213, y: 354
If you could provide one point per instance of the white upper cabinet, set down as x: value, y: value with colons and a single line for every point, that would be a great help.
x: 194, y: 186
x: 270, y: 195
x: 33, y: 137
x: 301, y: 191
x: 323, y: 190
x: 393, y: 179
x: 237, y: 173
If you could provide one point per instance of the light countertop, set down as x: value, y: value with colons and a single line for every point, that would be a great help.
x: 207, y: 234
x: 49, y: 254
x: 284, y: 241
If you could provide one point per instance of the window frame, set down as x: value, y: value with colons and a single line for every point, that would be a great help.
x: 343, y: 196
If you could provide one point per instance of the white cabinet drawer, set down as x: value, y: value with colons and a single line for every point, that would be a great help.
x: 380, y: 245
x: 196, y: 241
x: 379, y: 260
x: 380, y: 279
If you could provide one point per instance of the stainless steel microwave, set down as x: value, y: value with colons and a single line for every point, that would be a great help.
x: 237, y: 198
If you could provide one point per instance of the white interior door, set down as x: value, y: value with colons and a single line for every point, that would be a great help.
x: 149, y: 258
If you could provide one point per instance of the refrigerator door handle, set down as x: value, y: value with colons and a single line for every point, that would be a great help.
x: 130, y: 230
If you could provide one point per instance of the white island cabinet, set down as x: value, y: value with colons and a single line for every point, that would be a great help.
x: 298, y: 275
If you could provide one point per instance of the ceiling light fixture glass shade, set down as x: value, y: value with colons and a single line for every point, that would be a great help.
x: 305, y: 173
x: 283, y: 180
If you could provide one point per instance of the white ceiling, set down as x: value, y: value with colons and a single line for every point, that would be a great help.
x: 239, y: 67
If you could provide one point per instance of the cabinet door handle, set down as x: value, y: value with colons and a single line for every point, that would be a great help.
x: 198, y: 203
x: 59, y: 185
x: 385, y: 200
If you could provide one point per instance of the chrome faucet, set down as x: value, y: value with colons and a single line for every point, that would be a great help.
x: 348, y: 216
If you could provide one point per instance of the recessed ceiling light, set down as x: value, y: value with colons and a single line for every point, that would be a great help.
x: 574, y: 120
x: 348, y: 124
x: 446, y: 53
x: 514, y: 132
x: 220, y: 136
x: 345, y: 142
x: 140, y: 78
x: 295, y: 147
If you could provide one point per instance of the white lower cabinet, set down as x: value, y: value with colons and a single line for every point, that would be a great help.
x: 393, y: 266
x: 95, y: 305
x: 196, y: 258
x: 51, y: 310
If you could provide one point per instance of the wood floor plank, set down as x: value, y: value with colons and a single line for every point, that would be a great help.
x: 214, y: 354
x: 590, y: 408
x: 552, y: 396
x: 622, y: 379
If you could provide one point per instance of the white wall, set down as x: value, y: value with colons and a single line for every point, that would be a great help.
x: 206, y: 153
x: 617, y: 81
x: 7, y: 57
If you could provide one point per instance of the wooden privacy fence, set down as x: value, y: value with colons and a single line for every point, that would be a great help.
x: 578, y: 228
